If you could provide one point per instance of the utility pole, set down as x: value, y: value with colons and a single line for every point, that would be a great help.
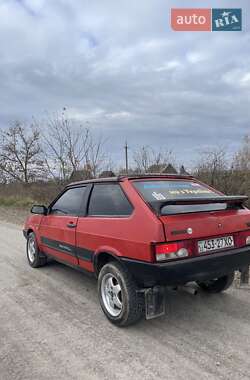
x: 126, y: 156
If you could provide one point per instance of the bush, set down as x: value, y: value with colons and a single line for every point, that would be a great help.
x: 24, y: 196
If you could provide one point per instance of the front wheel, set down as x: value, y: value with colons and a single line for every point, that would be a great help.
x: 35, y: 258
x: 118, y: 295
x: 217, y: 285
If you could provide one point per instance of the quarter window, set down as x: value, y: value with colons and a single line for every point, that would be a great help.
x: 70, y: 202
x: 109, y: 200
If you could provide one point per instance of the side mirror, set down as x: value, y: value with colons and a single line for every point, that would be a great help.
x: 40, y: 210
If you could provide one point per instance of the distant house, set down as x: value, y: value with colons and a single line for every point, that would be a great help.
x: 107, y: 174
x: 155, y: 168
x: 183, y: 171
x: 169, y: 169
x: 86, y: 173
x: 81, y: 175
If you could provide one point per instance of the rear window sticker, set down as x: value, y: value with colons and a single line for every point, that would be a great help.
x: 158, y: 196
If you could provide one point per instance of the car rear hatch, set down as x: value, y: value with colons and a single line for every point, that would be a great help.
x: 200, y: 224
x: 189, y: 209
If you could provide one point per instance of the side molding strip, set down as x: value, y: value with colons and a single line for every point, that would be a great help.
x: 80, y: 252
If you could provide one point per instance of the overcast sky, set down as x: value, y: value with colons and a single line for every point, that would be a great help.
x: 118, y: 66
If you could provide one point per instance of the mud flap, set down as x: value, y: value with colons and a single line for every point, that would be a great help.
x: 154, y: 302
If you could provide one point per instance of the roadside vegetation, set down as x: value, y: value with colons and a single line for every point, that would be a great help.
x: 37, y: 160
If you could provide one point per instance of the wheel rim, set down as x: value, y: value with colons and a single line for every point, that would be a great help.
x: 31, y: 249
x: 111, y: 294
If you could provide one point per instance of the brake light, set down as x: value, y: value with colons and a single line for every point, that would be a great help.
x: 244, y: 238
x: 171, y: 251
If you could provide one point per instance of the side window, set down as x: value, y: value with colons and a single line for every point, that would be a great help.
x: 109, y: 200
x: 69, y: 203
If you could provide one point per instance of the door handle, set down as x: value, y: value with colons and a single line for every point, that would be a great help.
x: 71, y: 225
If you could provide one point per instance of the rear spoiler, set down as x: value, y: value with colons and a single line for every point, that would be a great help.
x: 229, y: 199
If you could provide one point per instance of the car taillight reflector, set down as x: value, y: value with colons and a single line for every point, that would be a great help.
x: 167, y: 248
x: 171, y: 251
x: 243, y: 238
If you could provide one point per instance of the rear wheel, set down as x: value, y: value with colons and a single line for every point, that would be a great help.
x: 217, y: 285
x: 35, y: 258
x: 118, y: 295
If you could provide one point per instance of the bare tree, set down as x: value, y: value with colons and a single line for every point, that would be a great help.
x: 241, y: 183
x: 241, y: 168
x: 70, y: 148
x: 147, y: 159
x: 95, y: 157
x: 229, y: 176
x: 65, y: 146
x: 242, y: 157
x: 3, y: 177
x: 213, y: 168
x: 142, y: 159
x: 20, y: 153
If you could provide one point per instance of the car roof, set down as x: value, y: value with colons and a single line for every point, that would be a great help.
x: 132, y: 177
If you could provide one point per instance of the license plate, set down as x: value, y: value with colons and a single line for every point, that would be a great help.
x: 215, y: 244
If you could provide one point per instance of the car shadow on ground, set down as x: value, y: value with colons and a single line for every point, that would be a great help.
x: 74, y: 278
x: 203, y: 310
x: 203, y: 313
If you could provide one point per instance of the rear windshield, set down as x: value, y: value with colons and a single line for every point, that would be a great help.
x: 153, y: 191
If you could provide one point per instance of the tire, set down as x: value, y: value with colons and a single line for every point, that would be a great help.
x: 217, y: 285
x: 122, y: 304
x: 34, y: 256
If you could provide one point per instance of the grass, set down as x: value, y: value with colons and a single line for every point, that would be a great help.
x: 10, y: 201
x: 20, y: 196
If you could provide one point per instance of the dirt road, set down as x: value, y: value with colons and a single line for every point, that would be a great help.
x: 51, y: 327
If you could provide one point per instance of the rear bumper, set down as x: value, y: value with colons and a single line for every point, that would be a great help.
x: 193, y: 269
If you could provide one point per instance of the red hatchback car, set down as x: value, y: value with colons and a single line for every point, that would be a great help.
x: 138, y: 234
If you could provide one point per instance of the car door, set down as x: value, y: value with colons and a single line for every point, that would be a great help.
x: 106, y: 223
x: 58, y: 228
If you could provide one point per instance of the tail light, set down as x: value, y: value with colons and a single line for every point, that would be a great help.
x: 244, y: 238
x: 188, y: 248
x: 247, y: 237
x: 173, y: 251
